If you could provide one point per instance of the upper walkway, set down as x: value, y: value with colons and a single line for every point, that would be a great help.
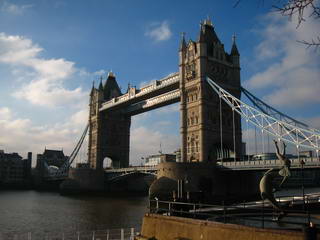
x: 158, y: 87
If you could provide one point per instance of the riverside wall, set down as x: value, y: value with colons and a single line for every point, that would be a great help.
x: 159, y: 227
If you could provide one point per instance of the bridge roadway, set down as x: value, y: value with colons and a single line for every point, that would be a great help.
x: 150, y: 169
x: 228, y: 166
x: 257, y: 165
x: 267, y: 164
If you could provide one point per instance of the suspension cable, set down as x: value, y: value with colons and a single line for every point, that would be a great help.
x: 221, y: 143
x: 255, y: 139
x: 317, y: 151
x: 307, y: 135
x: 268, y: 143
x: 247, y: 145
x: 234, y: 136
x: 262, y: 137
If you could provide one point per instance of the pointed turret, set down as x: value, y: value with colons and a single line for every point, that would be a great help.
x: 100, y: 85
x: 207, y: 33
x: 234, y: 49
x: 92, y: 89
x: 111, y: 88
x: 183, y: 44
x: 235, y: 56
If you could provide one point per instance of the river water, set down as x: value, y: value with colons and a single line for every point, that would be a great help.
x: 50, y: 213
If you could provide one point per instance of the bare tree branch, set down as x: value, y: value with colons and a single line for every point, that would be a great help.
x: 313, y: 43
x: 291, y: 8
x: 298, y: 7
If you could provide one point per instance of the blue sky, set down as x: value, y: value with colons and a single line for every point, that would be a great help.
x: 51, y: 51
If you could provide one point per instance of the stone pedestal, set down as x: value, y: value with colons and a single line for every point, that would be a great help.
x: 83, y: 180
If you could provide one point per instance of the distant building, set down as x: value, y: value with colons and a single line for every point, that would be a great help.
x: 306, y: 154
x: 153, y: 160
x: 51, y: 158
x: 14, y: 171
x: 177, y: 153
x: 48, y: 162
x: 269, y: 156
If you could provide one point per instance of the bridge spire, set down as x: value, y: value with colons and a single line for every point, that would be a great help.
x: 183, y: 44
x: 207, y: 33
x: 100, y: 85
x: 92, y: 89
x: 111, y: 88
x: 234, y: 49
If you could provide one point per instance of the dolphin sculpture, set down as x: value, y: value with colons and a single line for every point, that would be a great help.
x: 267, y: 188
x: 267, y: 191
x: 286, y: 163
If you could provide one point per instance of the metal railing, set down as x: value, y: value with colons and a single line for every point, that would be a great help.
x: 108, y: 234
x: 260, y: 211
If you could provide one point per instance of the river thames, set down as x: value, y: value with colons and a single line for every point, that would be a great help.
x: 48, y: 213
x: 51, y: 214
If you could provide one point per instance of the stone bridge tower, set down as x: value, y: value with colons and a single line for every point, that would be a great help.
x: 200, y: 107
x: 109, y: 131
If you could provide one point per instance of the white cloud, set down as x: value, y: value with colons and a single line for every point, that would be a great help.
x: 14, y: 8
x: 145, y: 142
x: 22, y: 135
x: 293, y: 78
x: 159, y: 31
x: 42, y: 80
x: 174, y: 108
x: 5, y: 113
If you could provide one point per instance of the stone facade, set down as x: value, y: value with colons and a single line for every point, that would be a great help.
x: 14, y: 169
x: 200, y: 106
x: 109, y: 131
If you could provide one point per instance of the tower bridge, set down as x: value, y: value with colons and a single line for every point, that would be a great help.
x: 111, y: 111
x: 209, y: 90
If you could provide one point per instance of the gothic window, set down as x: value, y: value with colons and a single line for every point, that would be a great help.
x: 93, y: 109
x: 196, y: 119
x: 190, y: 71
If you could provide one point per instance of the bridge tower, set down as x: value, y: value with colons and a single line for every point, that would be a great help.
x: 109, y: 131
x: 200, y: 107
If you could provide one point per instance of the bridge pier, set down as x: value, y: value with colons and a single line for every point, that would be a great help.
x: 205, y: 182
x: 83, y: 180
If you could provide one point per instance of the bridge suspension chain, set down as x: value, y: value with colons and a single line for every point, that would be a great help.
x: 63, y: 170
x: 267, y: 109
x: 294, y: 132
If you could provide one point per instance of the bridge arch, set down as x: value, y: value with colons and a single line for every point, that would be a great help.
x: 107, y: 163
